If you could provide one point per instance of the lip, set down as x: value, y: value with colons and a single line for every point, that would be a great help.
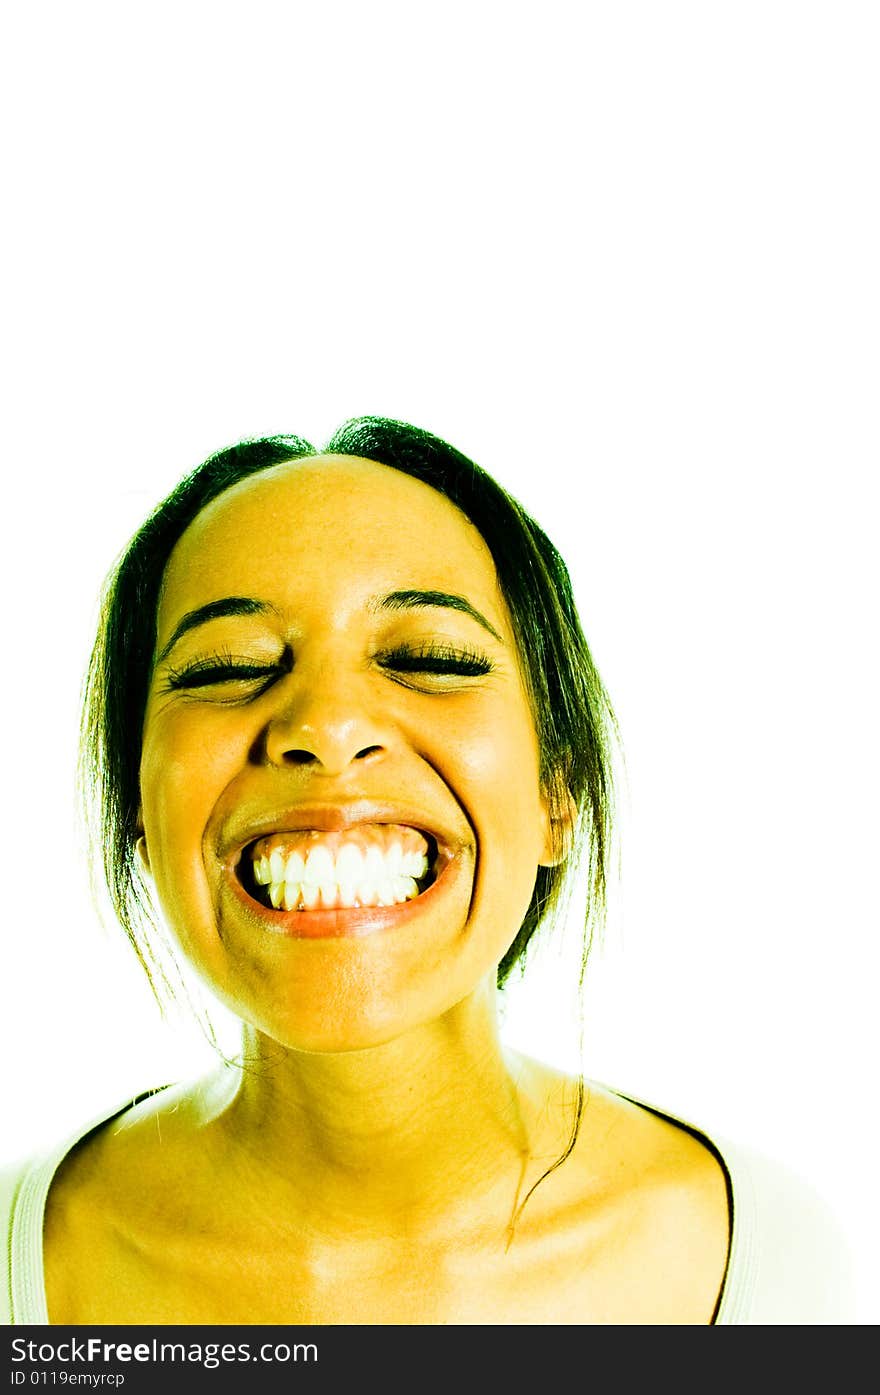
x: 333, y: 818
x: 345, y: 923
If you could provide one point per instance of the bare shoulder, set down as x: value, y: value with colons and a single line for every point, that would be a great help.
x: 112, y: 1156
x: 648, y: 1200
x: 633, y: 1227
x: 647, y: 1146
x: 109, y: 1190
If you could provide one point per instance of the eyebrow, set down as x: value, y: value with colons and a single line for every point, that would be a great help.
x: 394, y: 600
x: 216, y: 610
x: 418, y: 600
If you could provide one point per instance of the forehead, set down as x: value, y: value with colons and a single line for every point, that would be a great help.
x: 317, y: 520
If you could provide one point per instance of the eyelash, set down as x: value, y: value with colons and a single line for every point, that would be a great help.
x: 438, y: 660
x: 220, y: 668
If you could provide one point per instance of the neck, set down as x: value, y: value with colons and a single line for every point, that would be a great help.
x: 399, y: 1136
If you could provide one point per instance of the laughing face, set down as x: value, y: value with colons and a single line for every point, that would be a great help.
x: 340, y: 799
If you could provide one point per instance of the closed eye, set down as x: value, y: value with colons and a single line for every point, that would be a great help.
x: 224, y: 668
x: 436, y: 659
x: 433, y: 661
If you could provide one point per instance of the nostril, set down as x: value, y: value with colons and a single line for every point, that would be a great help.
x: 300, y: 755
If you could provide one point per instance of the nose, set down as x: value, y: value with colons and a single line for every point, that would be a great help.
x: 326, y: 721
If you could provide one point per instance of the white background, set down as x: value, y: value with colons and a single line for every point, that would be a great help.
x: 624, y: 255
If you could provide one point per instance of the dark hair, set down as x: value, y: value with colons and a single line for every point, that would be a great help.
x: 572, y: 712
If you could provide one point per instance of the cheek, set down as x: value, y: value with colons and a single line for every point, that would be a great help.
x: 183, y: 772
x: 495, y: 776
x: 495, y: 767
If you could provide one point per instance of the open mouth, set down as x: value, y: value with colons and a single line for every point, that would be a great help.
x: 366, y: 866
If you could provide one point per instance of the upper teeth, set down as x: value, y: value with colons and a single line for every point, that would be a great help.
x: 343, y: 875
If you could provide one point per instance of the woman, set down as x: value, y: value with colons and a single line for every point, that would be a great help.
x: 348, y: 738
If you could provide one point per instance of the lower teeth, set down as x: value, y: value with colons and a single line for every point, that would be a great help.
x: 311, y: 898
